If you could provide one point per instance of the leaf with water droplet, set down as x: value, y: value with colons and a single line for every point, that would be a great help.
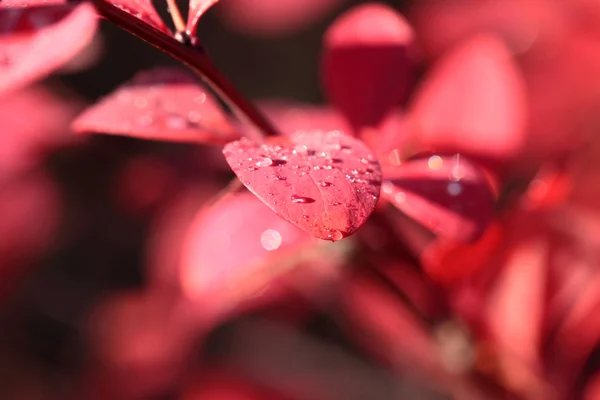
x: 335, y: 209
x: 230, y: 252
x: 368, y: 57
x: 37, y: 37
x: 160, y: 104
x: 447, y: 194
x: 197, y: 9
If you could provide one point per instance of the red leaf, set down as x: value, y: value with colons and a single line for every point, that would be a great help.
x: 162, y: 104
x: 367, y: 62
x: 25, y: 142
x: 326, y: 183
x: 233, y: 251
x: 196, y: 10
x: 142, y: 10
x: 473, y: 103
x: 516, y: 307
x: 291, y: 117
x: 448, y: 195
x: 34, y: 41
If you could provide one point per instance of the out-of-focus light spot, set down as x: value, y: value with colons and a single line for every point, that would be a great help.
x: 270, y: 239
x: 394, y: 157
x: 435, y: 162
x: 400, y: 197
x: 454, y: 188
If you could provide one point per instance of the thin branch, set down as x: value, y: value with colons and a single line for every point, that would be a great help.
x: 198, y: 61
x: 178, y: 21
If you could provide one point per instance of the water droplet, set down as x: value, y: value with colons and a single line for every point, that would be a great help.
x: 252, y: 168
x: 300, y: 149
x: 194, y: 117
x: 435, y: 162
x: 364, y: 161
x: 346, y: 149
x: 334, y: 235
x: 311, y: 152
x: 302, y: 199
x: 400, y: 197
x: 326, y: 167
x: 270, y: 239
x: 350, y: 178
x: 176, y: 122
x: 336, y: 203
x: 264, y: 162
x: 325, y: 184
x: 454, y: 188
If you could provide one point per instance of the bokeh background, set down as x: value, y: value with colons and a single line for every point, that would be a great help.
x: 87, y: 221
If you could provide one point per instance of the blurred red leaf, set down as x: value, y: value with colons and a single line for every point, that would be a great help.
x: 25, y: 141
x: 37, y: 38
x: 141, y: 10
x: 161, y: 104
x: 516, y: 306
x: 448, y: 195
x: 197, y: 8
x: 223, y: 385
x: 291, y: 117
x: 367, y: 62
x: 381, y: 323
x: 141, y: 342
x: 326, y: 183
x: 449, y: 262
x: 232, y: 252
x: 474, y: 103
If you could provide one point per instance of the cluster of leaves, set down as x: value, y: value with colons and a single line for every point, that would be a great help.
x: 425, y: 215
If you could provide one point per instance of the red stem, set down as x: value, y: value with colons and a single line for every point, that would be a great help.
x: 196, y: 59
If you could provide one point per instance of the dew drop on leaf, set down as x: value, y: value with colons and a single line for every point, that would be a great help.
x: 264, y: 162
x: 301, y: 199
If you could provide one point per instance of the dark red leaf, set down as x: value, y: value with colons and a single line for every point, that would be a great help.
x: 162, y: 104
x: 326, y: 183
x: 142, y: 10
x: 196, y: 10
x: 367, y: 62
x: 35, y: 41
x: 447, y: 194
x: 473, y: 103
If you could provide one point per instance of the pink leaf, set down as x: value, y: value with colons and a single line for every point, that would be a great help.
x: 35, y: 41
x: 162, y: 104
x: 196, y: 10
x: 326, y: 183
x: 233, y: 251
x: 291, y: 117
x: 473, y: 102
x: 448, y: 195
x: 142, y: 10
x: 367, y: 62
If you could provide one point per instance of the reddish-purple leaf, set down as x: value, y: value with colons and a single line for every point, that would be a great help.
x: 142, y: 10
x: 326, y: 183
x: 161, y: 104
x: 36, y: 39
x: 367, y: 62
x: 448, y: 195
x: 196, y: 10
x: 473, y: 103
x: 233, y: 251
